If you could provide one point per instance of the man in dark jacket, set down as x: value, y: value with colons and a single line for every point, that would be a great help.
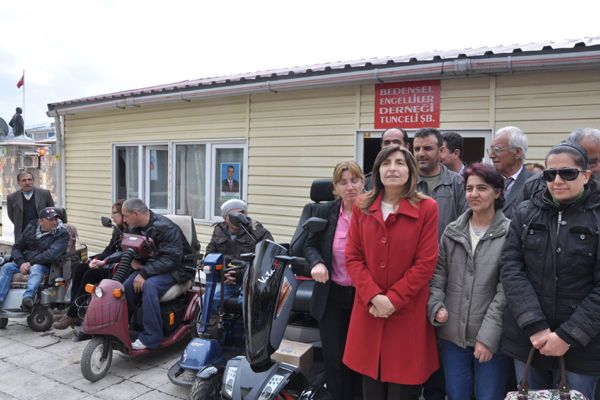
x: 41, y: 244
x: 25, y: 204
x: 152, y: 277
x: 231, y: 241
x: 507, y: 152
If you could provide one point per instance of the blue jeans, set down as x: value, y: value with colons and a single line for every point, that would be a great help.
x: 463, y: 371
x: 36, y: 273
x: 539, y: 379
x: 154, y: 287
x: 231, y: 291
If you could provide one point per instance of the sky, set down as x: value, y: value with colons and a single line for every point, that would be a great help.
x: 73, y: 49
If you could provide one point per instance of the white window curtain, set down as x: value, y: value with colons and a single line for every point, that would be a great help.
x: 190, y: 180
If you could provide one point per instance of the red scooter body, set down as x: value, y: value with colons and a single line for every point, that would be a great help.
x: 108, y: 315
x: 106, y: 320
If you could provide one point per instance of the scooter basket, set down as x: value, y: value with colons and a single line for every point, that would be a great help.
x: 82, y: 303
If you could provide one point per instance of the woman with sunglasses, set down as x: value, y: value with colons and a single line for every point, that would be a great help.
x: 97, y: 269
x: 390, y: 257
x: 551, y: 276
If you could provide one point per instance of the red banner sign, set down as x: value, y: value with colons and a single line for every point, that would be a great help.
x: 407, y: 105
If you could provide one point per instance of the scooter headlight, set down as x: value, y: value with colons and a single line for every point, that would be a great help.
x: 229, y: 380
x: 98, y: 291
x: 268, y: 391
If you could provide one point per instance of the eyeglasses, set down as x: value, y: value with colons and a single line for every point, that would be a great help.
x: 496, y: 149
x: 567, y: 174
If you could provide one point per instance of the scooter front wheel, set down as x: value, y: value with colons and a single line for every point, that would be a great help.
x: 40, y: 319
x: 207, y: 389
x: 96, y: 359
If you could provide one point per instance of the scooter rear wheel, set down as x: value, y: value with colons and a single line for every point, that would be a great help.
x: 93, y: 366
x: 3, y: 323
x: 207, y: 389
x: 40, y: 319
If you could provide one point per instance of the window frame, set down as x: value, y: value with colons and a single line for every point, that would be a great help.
x: 211, y: 147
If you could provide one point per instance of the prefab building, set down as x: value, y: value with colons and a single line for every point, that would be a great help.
x: 273, y: 132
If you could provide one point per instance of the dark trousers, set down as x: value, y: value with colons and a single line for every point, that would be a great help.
x: 154, y: 287
x: 377, y: 390
x: 435, y: 387
x: 82, y: 275
x: 342, y: 382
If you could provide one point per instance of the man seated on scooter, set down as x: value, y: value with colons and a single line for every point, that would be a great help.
x: 42, y: 243
x: 232, y: 240
x: 152, y: 277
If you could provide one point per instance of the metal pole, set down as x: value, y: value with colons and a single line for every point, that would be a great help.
x: 23, y: 97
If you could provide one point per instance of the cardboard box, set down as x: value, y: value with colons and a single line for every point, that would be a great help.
x: 298, y: 354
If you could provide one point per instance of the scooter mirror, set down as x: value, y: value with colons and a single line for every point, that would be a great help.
x: 315, y: 224
x: 107, y: 222
x: 239, y: 219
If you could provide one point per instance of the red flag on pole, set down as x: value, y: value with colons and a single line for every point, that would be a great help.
x: 21, y: 82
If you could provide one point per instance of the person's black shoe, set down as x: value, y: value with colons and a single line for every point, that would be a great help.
x: 27, y: 303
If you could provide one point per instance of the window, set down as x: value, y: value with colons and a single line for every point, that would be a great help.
x: 127, y: 172
x: 190, y: 180
x: 186, y: 179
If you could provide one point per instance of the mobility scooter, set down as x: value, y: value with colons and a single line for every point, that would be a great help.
x: 107, y: 317
x: 215, y: 338
x: 269, y: 292
x: 54, y: 292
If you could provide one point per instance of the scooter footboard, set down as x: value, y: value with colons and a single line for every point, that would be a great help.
x: 239, y: 378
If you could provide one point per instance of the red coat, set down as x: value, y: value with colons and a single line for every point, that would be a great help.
x: 396, y: 258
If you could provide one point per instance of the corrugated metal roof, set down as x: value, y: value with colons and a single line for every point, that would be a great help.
x: 567, y: 45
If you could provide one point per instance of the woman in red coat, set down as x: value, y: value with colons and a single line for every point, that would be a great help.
x: 391, y: 255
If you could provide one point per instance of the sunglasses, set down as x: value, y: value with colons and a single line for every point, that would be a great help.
x: 567, y: 174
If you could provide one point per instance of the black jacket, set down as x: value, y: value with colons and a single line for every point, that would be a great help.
x: 45, y: 251
x: 113, y: 248
x: 172, y: 248
x: 222, y: 242
x: 551, y: 278
x: 318, y: 249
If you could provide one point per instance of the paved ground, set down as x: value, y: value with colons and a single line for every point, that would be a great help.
x: 46, y: 366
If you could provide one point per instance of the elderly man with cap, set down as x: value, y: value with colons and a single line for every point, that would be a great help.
x: 231, y: 240
x: 42, y: 243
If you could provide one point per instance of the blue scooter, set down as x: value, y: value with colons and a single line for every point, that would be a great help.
x: 214, y: 337
x: 270, y: 289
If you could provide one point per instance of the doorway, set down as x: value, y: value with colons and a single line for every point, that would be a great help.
x: 368, y: 144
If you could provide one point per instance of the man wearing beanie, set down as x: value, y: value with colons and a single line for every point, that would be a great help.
x: 231, y: 241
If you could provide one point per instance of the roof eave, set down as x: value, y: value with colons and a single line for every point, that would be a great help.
x: 438, y: 69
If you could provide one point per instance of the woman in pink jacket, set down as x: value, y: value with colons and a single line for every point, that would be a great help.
x: 391, y: 255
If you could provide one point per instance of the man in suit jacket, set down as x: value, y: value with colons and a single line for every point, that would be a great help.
x: 229, y: 184
x: 25, y: 204
x: 508, y: 151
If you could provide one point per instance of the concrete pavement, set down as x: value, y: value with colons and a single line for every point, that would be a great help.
x: 46, y: 366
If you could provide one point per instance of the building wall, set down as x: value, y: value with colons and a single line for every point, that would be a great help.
x: 294, y: 137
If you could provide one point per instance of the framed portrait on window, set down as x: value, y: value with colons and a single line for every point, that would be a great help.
x: 230, y: 181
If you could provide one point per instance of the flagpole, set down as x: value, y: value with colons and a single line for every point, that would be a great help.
x: 23, y: 90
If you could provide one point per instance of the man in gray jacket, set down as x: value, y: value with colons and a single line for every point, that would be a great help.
x: 437, y: 181
x: 24, y: 205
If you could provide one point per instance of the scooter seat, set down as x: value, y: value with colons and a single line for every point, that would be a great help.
x: 19, y: 281
x: 175, y: 290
